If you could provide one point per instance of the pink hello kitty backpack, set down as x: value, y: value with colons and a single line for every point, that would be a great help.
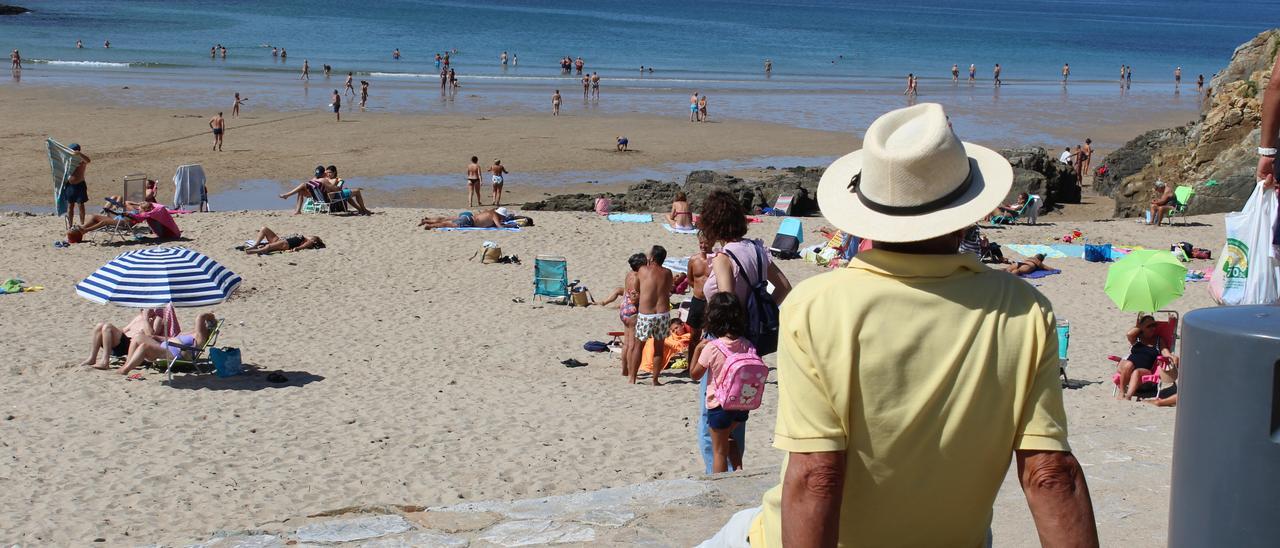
x: 741, y: 383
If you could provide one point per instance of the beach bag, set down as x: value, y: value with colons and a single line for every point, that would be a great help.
x: 1246, y: 272
x: 579, y: 297
x: 762, y: 311
x: 1097, y: 253
x: 740, y: 386
x: 226, y: 361
x: 489, y: 253
x: 595, y: 346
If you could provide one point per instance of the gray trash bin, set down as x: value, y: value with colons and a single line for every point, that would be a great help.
x: 1226, y: 444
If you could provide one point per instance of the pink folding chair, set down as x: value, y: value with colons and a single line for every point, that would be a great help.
x: 1167, y: 330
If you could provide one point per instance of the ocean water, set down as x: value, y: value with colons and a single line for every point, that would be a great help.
x: 812, y: 42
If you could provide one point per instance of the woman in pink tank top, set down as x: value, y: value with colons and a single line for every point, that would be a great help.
x: 724, y: 221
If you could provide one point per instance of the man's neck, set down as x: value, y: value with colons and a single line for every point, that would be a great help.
x: 947, y: 244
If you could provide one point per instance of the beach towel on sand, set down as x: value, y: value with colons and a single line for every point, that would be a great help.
x: 677, y: 230
x: 1027, y: 250
x: 470, y: 228
x: 630, y: 218
x: 1041, y: 273
x: 677, y: 265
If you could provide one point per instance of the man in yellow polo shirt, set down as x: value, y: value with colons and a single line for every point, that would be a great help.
x: 907, y: 379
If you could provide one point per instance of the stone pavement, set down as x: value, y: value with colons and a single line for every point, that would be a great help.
x: 677, y: 513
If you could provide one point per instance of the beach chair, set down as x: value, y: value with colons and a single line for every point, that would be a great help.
x: 1168, y: 332
x: 786, y: 243
x: 1183, y: 194
x: 196, y: 357
x: 1064, y: 341
x: 551, y: 278
x: 782, y: 206
x: 1010, y: 218
x: 127, y: 227
x: 320, y: 202
x: 135, y: 187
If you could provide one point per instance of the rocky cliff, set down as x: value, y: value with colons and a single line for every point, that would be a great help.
x: 1216, y: 154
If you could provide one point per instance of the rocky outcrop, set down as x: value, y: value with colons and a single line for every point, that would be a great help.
x: 1215, y: 155
x: 6, y: 9
x: 1034, y: 171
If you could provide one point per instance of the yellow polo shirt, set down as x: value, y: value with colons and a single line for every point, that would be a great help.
x: 928, y: 371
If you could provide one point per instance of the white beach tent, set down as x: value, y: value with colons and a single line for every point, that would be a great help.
x: 189, y: 188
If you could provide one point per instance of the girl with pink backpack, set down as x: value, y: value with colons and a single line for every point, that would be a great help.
x: 736, y: 376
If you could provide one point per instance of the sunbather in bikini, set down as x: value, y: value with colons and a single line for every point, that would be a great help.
x: 269, y: 242
x: 110, y: 341
x: 153, y: 348
x: 327, y: 179
x: 1028, y: 265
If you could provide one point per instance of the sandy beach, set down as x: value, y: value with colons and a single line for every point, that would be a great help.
x: 286, y: 146
x: 417, y: 376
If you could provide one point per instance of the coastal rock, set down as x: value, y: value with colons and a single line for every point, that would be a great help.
x: 1036, y: 172
x: 657, y: 195
x: 6, y: 9
x: 1214, y: 155
x: 347, y: 530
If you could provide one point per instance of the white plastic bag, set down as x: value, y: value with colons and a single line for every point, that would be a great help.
x: 1247, y: 271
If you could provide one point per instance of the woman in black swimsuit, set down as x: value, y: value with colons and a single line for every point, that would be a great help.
x: 1147, y: 348
x: 269, y: 242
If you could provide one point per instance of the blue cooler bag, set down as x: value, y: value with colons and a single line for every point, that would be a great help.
x: 226, y: 361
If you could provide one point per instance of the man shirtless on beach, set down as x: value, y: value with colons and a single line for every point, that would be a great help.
x: 699, y: 270
x: 555, y: 103
x: 995, y: 75
x: 1066, y: 73
x: 654, y: 318
x: 586, y: 87
x: 349, y: 88
x: 489, y: 218
x: 219, y: 125
x: 693, y: 107
x: 595, y: 85
x: 473, y: 183
x: 955, y: 72
x: 1086, y: 159
x: 496, y: 171
x: 364, y: 93
x: 76, y: 191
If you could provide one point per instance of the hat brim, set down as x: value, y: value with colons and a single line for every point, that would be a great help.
x: 992, y: 179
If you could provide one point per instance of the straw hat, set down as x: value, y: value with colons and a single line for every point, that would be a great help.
x: 913, y: 179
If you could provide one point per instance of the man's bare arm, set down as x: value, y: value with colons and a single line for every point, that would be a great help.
x: 1270, y: 123
x: 811, y: 495
x: 1058, y: 497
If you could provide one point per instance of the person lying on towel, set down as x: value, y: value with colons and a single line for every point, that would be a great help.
x: 491, y: 218
x: 1028, y: 265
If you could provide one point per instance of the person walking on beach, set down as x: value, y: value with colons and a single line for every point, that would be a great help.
x: 595, y: 85
x: 702, y: 108
x: 995, y: 74
x: 15, y: 60
x: 1128, y: 77
x: 364, y: 93
x: 219, y: 125
x: 857, y: 402
x: 444, y: 77
x: 349, y: 88
x: 76, y: 190
x: 1124, y: 69
x: 235, y: 107
x: 955, y: 72
x: 306, y: 70
x: 727, y: 319
x: 1177, y: 78
x: 1066, y: 72
x: 473, y: 183
x: 496, y: 173
x: 453, y: 80
x: 1087, y: 160
x: 586, y: 87
x: 911, y: 85
x: 555, y: 103
x: 693, y: 107
x: 336, y: 103
x: 654, y: 307
x: 973, y: 72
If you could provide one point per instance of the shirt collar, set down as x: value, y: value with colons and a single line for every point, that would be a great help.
x: 908, y: 265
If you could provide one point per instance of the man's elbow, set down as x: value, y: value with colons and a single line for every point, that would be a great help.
x: 825, y: 481
x: 1058, y: 475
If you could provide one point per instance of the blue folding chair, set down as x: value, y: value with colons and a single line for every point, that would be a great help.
x: 786, y: 242
x: 1064, y: 340
x: 550, y: 277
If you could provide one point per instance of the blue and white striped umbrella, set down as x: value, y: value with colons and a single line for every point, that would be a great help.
x: 152, y: 278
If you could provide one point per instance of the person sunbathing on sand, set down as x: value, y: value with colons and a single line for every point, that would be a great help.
x: 491, y: 218
x: 268, y: 242
x: 134, y: 213
x: 681, y: 216
x: 155, y: 348
x: 113, y: 342
x: 1028, y: 265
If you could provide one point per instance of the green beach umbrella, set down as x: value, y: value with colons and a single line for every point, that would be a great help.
x: 1145, y: 280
